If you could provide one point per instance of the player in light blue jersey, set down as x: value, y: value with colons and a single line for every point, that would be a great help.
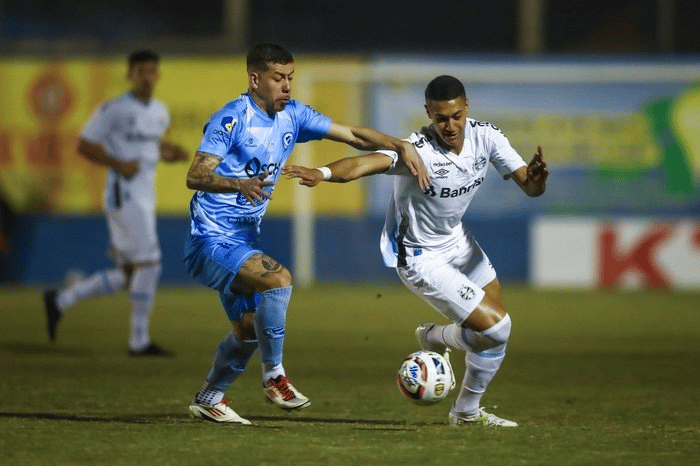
x: 125, y: 134
x: 234, y: 171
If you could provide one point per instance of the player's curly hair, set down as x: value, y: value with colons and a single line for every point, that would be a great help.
x: 262, y: 54
x: 444, y: 88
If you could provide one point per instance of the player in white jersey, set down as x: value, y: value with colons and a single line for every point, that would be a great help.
x: 234, y: 171
x: 424, y: 238
x: 126, y: 134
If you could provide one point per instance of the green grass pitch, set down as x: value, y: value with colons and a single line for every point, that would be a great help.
x: 593, y: 379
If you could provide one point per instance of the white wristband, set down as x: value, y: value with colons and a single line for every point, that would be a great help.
x: 326, y: 172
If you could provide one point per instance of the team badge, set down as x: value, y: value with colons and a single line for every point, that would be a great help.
x: 479, y: 163
x: 466, y: 292
x: 228, y: 123
x: 287, y: 139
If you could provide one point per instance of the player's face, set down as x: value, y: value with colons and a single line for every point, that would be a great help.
x: 143, y: 77
x: 449, y: 118
x: 272, y: 88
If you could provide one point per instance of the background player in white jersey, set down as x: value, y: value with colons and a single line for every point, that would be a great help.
x: 125, y: 134
x: 234, y: 171
x: 424, y: 238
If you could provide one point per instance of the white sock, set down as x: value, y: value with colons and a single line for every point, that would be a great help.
x: 142, y: 293
x: 481, y: 369
x: 486, y: 351
x: 450, y: 335
x: 272, y: 372
x: 101, y: 283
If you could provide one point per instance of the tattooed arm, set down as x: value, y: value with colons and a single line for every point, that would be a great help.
x: 202, y: 177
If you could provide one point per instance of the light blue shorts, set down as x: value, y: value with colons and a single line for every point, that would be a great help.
x: 214, y: 262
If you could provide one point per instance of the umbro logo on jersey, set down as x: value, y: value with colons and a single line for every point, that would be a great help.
x: 441, y: 172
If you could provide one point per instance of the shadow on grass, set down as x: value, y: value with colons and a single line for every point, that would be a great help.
x: 133, y: 419
x: 177, y: 418
x: 40, y: 349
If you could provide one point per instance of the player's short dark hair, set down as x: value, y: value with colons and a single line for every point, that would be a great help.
x: 141, y: 56
x: 262, y: 54
x: 444, y: 88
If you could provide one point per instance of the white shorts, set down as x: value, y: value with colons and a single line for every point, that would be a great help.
x: 132, y: 233
x: 451, y: 282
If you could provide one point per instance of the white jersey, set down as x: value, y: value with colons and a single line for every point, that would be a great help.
x: 129, y: 129
x: 420, y: 221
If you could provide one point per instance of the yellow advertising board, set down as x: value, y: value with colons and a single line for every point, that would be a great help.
x: 45, y: 103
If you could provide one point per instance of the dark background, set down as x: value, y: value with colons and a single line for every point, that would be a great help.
x: 360, y: 26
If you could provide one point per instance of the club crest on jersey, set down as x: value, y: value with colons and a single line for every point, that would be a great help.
x: 479, y: 163
x: 287, y: 140
x: 228, y: 122
x: 466, y: 292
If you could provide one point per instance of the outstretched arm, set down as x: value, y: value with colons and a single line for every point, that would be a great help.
x: 341, y: 171
x: 201, y: 176
x: 362, y: 138
x: 533, y: 178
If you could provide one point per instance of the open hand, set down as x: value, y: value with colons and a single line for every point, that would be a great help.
x: 414, y: 162
x: 252, y: 188
x: 307, y: 176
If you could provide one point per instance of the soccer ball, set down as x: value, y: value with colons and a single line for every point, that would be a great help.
x: 425, y: 377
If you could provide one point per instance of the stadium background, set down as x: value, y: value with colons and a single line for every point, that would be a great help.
x: 609, y: 89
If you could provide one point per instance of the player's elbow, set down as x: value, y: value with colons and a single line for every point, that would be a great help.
x: 192, y: 183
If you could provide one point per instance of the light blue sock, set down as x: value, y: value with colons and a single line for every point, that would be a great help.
x: 230, y: 360
x: 270, y: 321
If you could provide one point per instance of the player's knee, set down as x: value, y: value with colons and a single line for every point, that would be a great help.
x: 278, y: 279
x: 500, y: 332
x: 493, y: 338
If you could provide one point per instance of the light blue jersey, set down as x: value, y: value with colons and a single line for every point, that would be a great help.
x: 249, y: 141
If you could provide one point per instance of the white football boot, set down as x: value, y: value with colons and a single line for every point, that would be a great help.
x: 220, y: 412
x: 282, y: 393
x: 481, y: 418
